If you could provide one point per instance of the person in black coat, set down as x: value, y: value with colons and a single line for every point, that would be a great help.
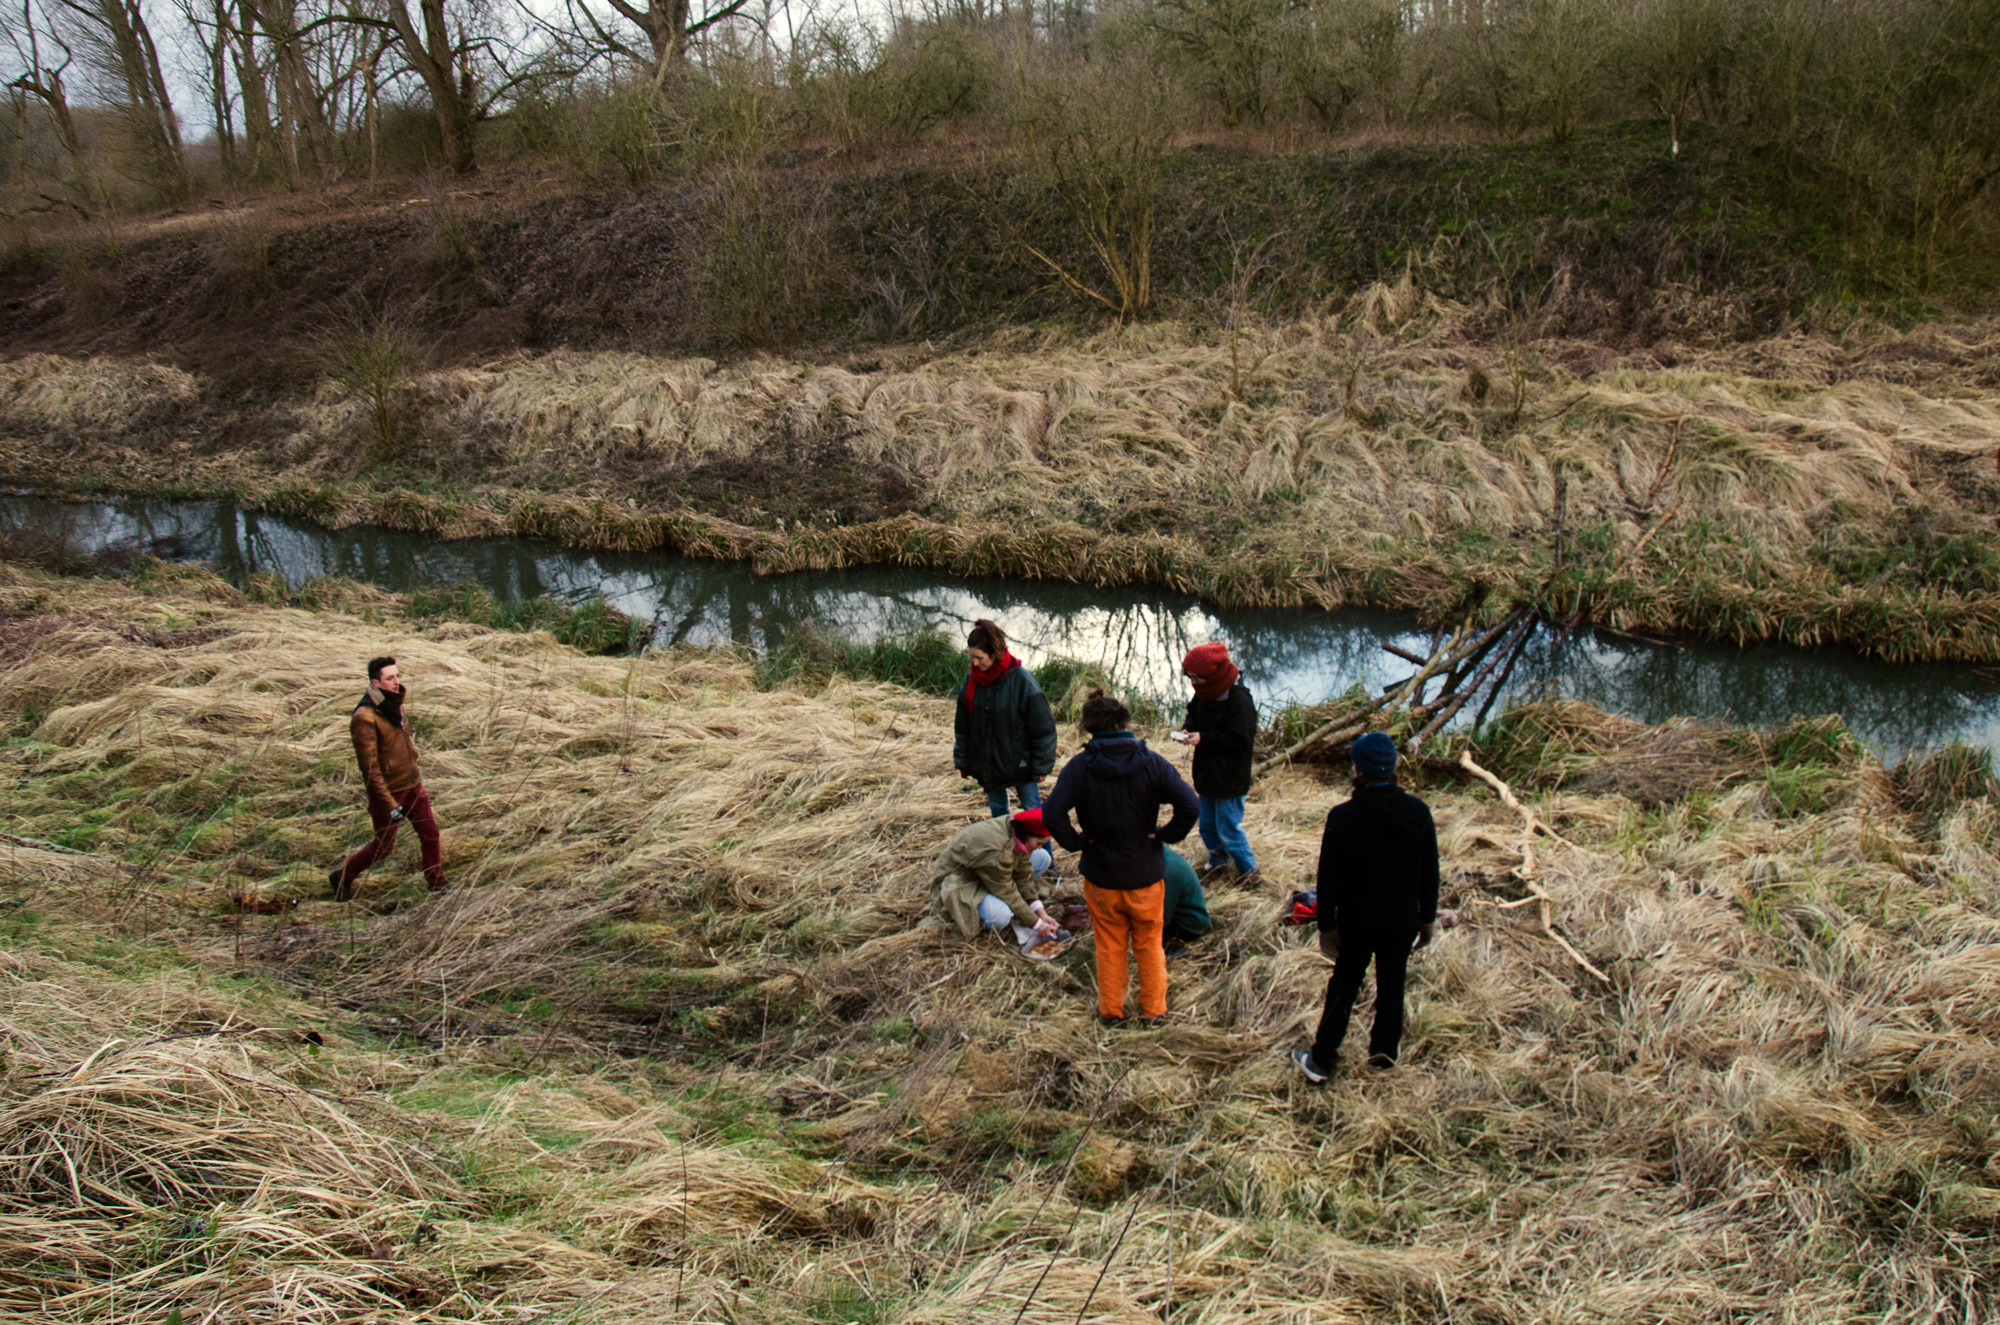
x: 1222, y: 727
x: 1378, y: 900
x: 1116, y: 787
x: 1004, y: 735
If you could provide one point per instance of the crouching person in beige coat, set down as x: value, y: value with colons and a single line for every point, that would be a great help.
x: 987, y: 878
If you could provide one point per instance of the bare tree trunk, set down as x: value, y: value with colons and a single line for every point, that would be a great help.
x: 298, y: 96
x: 669, y: 24
x: 435, y: 61
x: 48, y: 88
x: 266, y: 152
x: 665, y: 24
x: 218, y: 89
x: 145, y: 90
x: 373, y: 58
x: 287, y: 125
x: 163, y: 104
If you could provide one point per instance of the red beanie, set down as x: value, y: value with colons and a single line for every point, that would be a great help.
x: 1208, y: 666
x: 1030, y: 822
x: 1203, y: 659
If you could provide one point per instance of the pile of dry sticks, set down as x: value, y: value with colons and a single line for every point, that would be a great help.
x: 1470, y: 663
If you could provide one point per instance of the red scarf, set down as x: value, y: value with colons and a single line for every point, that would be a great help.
x: 989, y: 676
x: 1208, y: 666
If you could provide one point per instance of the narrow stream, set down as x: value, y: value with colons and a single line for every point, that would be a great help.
x: 1136, y: 634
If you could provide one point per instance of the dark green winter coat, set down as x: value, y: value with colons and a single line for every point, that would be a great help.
x: 1007, y: 736
x: 1185, y: 913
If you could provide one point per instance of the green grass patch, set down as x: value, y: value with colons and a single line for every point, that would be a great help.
x: 593, y: 626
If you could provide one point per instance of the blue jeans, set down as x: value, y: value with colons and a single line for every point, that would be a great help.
x: 1222, y: 831
x: 994, y: 914
x: 1029, y: 792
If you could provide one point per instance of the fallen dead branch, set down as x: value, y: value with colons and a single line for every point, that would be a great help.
x: 1530, y: 825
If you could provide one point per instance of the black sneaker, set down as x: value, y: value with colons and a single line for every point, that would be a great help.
x: 1175, y: 948
x: 1381, y: 1063
x: 1113, y: 1022
x: 1310, y: 1069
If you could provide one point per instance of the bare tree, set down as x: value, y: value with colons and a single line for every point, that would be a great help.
x: 44, y: 81
x: 445, y: 66
x: 208, y: 24
x: 260, y: 132
x: 300, y: 111
x: 124, y: 42
x: 665, y: 25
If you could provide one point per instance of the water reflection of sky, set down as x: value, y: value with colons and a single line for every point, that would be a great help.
x: 1137, y: 634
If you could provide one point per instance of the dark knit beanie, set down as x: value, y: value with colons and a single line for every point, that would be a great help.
x: 1375, y: 755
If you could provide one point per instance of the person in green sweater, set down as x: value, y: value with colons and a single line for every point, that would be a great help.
x: 1186, y: 909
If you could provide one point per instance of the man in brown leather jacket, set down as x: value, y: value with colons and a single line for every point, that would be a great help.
x: 388, y: 759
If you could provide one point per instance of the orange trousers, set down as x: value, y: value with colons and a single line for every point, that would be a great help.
x: 1117, y: 915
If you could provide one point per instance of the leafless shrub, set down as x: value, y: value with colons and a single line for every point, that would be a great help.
x: 84, y: 268
x: 1098, y: 133
x: 766, y: 258
x: 240, y: 248
x: 371, y: 355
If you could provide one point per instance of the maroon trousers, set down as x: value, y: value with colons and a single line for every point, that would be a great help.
x: 417, y: 809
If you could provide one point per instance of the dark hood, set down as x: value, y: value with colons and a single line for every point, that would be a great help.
x: 1394, y: 811
x: 1114, y: 756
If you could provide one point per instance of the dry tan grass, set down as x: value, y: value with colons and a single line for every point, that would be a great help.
x: 1376, y: 454
x: 1779, y: 1108
x: 99, y: 392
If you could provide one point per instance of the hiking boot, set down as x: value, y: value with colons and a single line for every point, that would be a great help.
x: 341, y: 893
x: 1251, y: 881
x: 1309, y: 1067
x: 1381, y: 1063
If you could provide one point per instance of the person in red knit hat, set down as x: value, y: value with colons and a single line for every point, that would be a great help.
x: 989, y: 877
x: 1222, y: 727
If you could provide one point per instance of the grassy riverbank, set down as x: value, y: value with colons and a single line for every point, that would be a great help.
x: 670, y: 1050
x: 1808, y: 489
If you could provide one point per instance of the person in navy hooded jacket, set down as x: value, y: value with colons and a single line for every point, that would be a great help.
x: 1116, y: 786
x: 1378, y: 900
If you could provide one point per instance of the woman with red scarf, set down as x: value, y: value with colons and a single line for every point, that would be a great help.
x: 1222, y: 727
x: 1005, y: 735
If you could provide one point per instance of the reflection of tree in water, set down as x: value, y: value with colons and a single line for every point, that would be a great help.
x: 1136, y: 635
x: 1896, y: 708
